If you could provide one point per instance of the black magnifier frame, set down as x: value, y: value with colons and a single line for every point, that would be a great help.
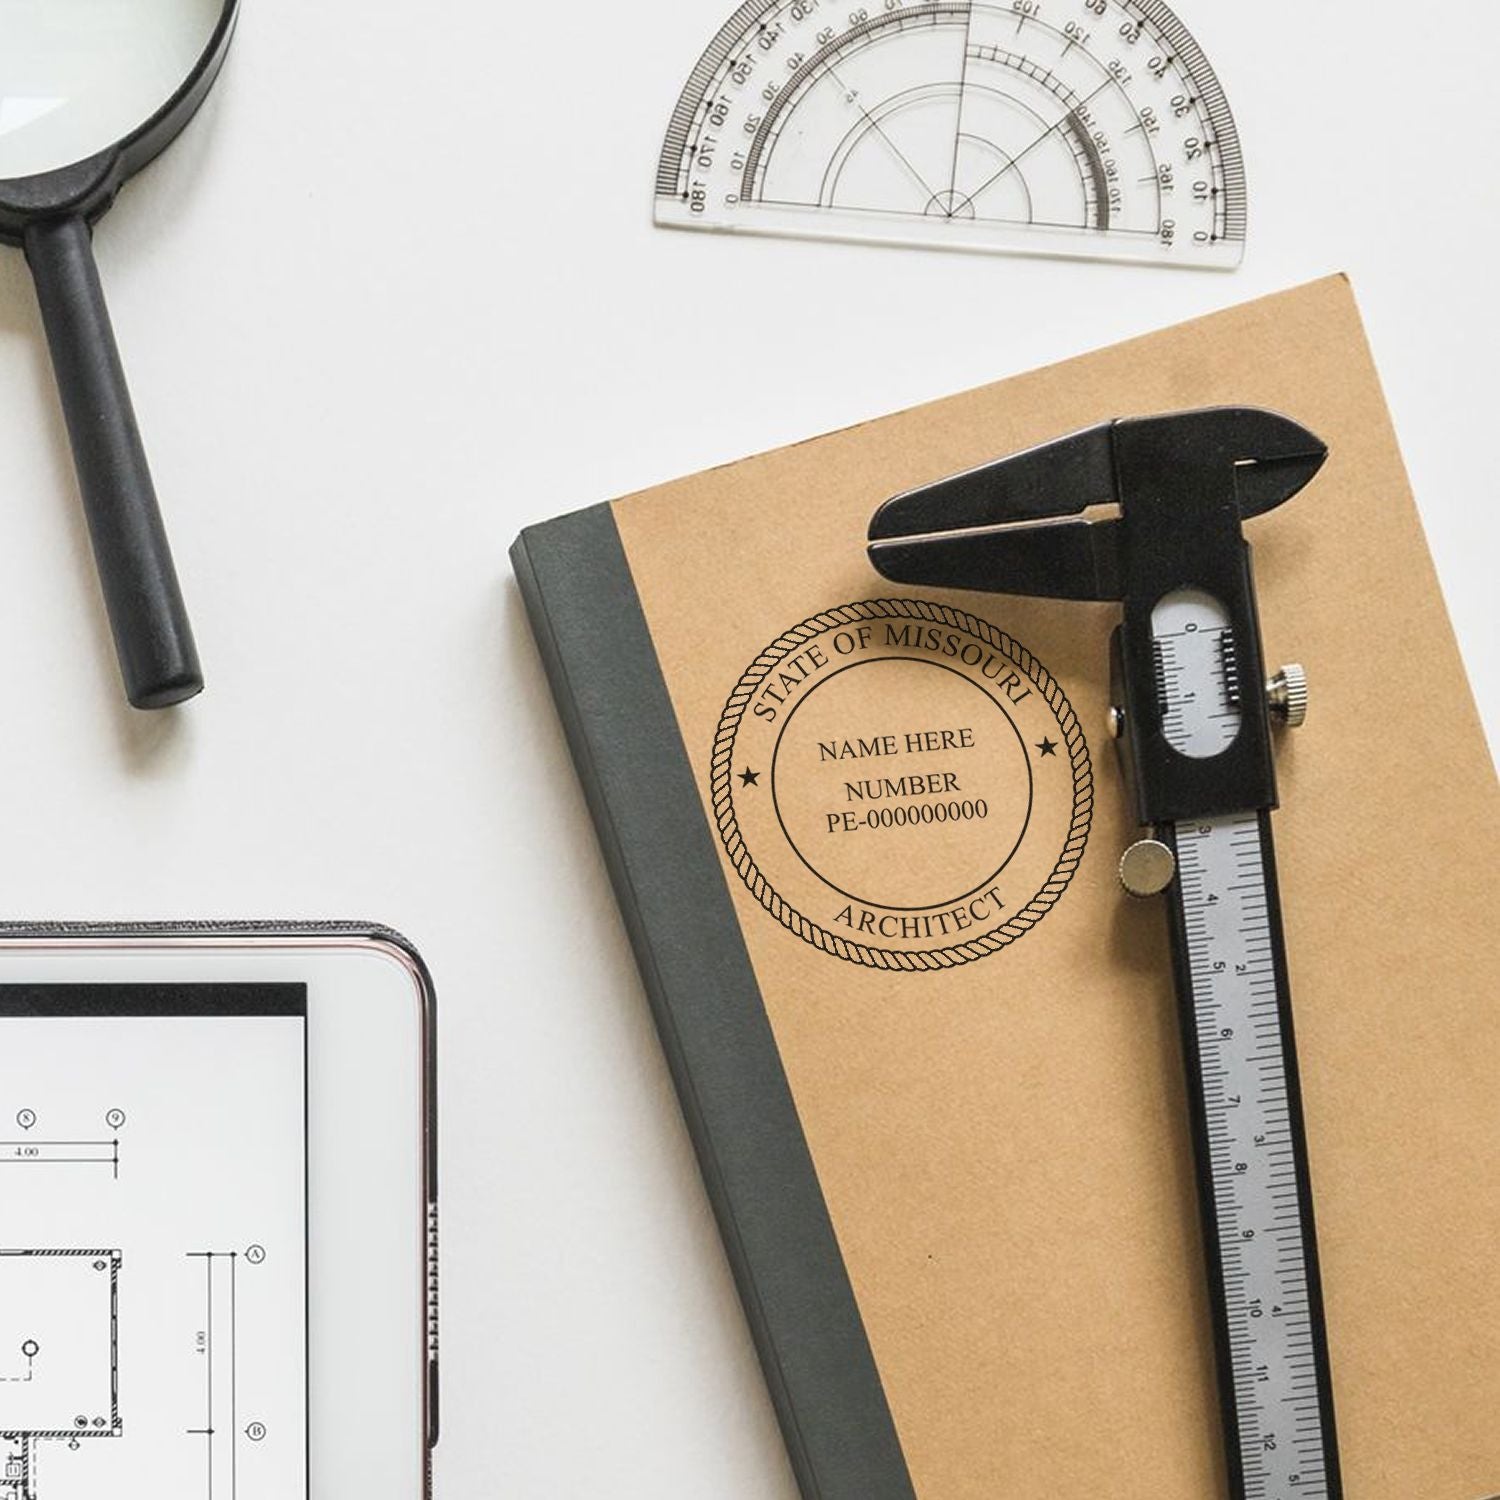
x: 51, y: 216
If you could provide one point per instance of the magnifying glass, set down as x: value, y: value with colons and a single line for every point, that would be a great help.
x: 90, y: 91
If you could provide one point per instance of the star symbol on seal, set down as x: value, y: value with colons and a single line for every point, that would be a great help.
x: 749, y: 777
x: 1048, y: 747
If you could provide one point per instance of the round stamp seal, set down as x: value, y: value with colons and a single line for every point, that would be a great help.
x: 902, y: 785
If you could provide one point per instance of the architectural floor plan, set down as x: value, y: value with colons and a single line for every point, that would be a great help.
x: 153, y: 1242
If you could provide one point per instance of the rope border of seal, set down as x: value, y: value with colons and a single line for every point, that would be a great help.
x: 883, y: 958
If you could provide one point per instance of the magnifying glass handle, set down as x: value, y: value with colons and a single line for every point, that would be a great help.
x: 153, y: 638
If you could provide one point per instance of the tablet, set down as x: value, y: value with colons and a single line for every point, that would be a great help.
x: 218, y: 1214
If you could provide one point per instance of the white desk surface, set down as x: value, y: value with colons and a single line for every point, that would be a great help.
x: 396, y: 294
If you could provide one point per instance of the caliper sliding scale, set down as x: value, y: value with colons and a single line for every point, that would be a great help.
x: 1192, y: 714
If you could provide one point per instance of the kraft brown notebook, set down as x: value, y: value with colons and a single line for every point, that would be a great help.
x: 940, y: 1110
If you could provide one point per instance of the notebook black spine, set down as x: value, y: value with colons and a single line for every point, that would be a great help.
x: 616, y: 712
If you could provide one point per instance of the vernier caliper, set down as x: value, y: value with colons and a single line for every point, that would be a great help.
x: 1192, y: 712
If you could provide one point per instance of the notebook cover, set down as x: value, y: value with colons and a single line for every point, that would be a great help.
x: 931, y: 1067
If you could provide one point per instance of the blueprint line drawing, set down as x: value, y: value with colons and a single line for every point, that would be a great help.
x: 59, y: 1357
x: 173, y: 1361
x: 61, y: 1153
x: 219, y: 1347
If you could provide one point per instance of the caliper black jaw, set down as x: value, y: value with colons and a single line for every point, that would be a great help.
x: 1184, y: 485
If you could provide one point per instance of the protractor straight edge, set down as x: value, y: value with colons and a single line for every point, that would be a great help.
x: 1087, y: 128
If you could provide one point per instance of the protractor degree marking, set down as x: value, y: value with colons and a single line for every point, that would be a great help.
x: 693, y: 102
x: 1045, y: 135
x: 1034, y: 71
x: 1087, y: 153
x: 1160, y: 17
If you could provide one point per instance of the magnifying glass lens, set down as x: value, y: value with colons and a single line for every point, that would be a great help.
x: 77, y: 76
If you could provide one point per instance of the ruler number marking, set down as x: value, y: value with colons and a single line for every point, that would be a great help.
x: 1224, y: 891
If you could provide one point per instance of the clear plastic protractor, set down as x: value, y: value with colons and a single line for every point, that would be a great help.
x: 1087, y: 128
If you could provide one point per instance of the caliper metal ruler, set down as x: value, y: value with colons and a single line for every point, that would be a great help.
x: 1092, y: 128
x: 1193, y: 714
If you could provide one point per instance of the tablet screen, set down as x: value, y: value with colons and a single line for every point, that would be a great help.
x: 154, y: 1145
